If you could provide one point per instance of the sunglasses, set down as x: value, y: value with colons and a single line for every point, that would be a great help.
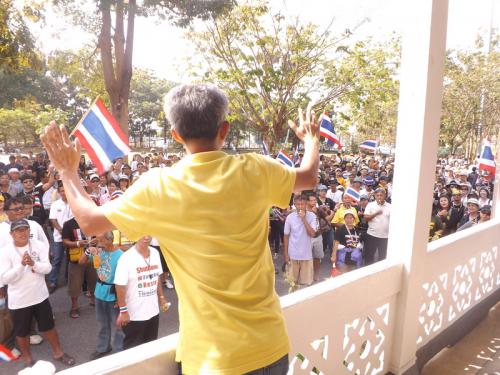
x: 17, y: 209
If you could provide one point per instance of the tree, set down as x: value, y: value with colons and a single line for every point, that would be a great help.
x: 17, y: 46
x: 146, y: 103
x: 116, y: 41
x: 471, y: 96
x: 268, y: 65
x: 369, y: 102
x: 24, y: 122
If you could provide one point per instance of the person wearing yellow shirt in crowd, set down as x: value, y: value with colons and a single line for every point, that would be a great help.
x: 346, y: 205
x: 210, y: 214
x: 3, y: 215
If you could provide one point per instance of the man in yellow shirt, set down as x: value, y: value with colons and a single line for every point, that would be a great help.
x: 210, y: 214
x: 345, y: 206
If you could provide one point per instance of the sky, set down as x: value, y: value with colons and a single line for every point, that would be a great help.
x: 163, y: 48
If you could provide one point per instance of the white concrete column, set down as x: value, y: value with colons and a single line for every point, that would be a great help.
x: 424, y: 45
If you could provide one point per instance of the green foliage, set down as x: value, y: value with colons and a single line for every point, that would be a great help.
x: 24, y: 122
x: 146, y: 103
x: 370, y: 99
x: 17, y: 46
x: 471, y: 96
x: 267, y: 65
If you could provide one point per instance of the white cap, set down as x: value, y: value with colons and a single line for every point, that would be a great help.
x: 13, y: 170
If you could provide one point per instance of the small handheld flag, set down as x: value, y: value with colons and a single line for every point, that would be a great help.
x: 355, y: 195
x: 284, y: 159
x: 6, y: 355
x: 326, y: 130
x: 265, y: 149
x: 369, y: 145
x: 487, y: 159
x: 101, y: 136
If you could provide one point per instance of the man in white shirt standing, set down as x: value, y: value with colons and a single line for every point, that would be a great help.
x: 300, y: 228
x: 378, y: 215
x: 23, y: 266
x: 60, y: 212
x: 139, y: 293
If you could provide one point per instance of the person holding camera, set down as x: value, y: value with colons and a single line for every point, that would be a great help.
x: 75, y: 241
x: 104, y: 259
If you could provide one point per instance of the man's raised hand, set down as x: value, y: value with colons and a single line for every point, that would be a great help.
x: 63, y: 153
x: 308, y: 127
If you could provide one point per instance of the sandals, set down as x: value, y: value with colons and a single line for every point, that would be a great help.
x: 66, y: 359
x: 74, y: 313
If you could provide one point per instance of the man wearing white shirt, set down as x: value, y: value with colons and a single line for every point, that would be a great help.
x: 334, y: 194
x: 60, y: 212
x: 378, y: 215
x: 139, y: 293
x: 23, y: 266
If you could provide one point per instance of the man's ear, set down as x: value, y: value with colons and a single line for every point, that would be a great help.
x: 177, y: 137
x: 223, y: 130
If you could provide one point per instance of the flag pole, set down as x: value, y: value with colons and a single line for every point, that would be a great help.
x: 85, y: 115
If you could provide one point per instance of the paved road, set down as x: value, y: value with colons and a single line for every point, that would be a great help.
x: 78, y: 336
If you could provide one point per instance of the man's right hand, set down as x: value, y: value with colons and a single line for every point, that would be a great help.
x: 122, y: 320
x: 308, y: 126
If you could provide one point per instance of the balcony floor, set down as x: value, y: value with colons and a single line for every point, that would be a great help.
x: 477, y: 353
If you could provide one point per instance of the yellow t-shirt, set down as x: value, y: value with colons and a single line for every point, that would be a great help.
x: 339, y: 215
x: 210, y: 213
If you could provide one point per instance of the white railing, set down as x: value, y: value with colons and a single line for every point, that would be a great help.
x: 461, y: 271
x: 346, y: 325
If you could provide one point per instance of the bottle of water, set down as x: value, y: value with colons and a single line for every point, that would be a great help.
x: 2, y: 303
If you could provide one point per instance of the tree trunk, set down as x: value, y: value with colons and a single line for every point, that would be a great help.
x: 118, y: 71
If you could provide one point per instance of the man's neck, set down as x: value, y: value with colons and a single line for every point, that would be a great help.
x: 20, y: 244
x: 143, y: 250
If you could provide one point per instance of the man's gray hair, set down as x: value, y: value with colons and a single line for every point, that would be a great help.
x: 109, y: 236
x: 196, y: 111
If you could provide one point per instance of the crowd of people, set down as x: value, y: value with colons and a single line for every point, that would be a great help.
x: 40, y: 238
x: 326, y: 222
x: 41, y: 242
x: 318, y: 223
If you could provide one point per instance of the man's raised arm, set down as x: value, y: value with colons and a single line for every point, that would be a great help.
x: 65, y: 156
x: 308, y: 132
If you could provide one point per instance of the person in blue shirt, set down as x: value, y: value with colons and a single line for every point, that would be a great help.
x: 104, y: 258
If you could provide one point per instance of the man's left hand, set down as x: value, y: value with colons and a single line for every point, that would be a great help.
x: 63, y: 153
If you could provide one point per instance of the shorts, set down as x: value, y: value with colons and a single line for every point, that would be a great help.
x: 317, y: 247
x: 301, y: 271
x: 76, y: 274
x: 22, y: 318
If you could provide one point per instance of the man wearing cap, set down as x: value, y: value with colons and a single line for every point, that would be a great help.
x: 94, y: 187
x: 346, y: 205
x: 23, y: 266
x: 472, y: 213
x: 333, y: 193
x: 377, y: 214
x: 36, y: 194
x: 369, y: 183
x: 15, y: 185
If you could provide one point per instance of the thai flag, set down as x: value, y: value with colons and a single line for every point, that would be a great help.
x: 326, y: 130
x: 265, y: 149
x: 101, y: 136
x: 369, y: 145
x: 284, y: 159
x: 355, y: 195
x: 6, y: 355
x: 487, y: 160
